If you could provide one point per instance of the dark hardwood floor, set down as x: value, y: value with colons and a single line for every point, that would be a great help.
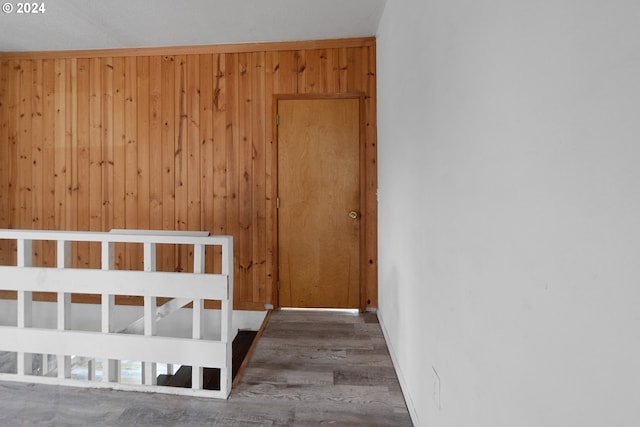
x: 309, y: 368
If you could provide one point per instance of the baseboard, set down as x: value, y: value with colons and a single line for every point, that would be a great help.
x: 403, y: 384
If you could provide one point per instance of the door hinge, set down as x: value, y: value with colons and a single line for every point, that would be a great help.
x: 277, y: 202
x: 277, y: 119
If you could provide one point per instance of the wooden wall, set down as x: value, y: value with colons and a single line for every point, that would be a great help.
x: 173, y: 139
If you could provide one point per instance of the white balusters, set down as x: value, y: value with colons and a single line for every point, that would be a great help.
x: 149, y: 369
x: 25, y: 305
x: 110, y: 367
x: 63, y: 308
x: 109, y: 344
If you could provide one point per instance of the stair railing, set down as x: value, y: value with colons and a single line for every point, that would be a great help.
x: 109, y: 345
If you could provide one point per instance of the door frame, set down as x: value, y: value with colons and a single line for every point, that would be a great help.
x: 364, y: 214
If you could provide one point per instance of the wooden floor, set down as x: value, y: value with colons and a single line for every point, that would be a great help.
x: 309, y: 368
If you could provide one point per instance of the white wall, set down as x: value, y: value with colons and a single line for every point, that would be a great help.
x: 509, y: 203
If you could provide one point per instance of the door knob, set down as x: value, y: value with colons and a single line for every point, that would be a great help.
x: 354, y: 215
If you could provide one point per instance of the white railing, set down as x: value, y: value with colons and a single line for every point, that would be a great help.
x: 108, y: 345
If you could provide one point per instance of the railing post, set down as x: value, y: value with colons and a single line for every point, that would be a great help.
x: 110, y: 367
x: 25, y: 305
x: 64, y: 307
x: 226, y: 316
x: 149, y: 369
x: 198, y: 314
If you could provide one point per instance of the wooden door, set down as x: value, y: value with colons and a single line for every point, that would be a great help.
x: 319, y: 203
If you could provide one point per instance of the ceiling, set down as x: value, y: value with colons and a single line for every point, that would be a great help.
x: 113, y: 24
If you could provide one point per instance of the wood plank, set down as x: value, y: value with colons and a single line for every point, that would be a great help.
x: 167, y: 256
x: 343, y: 64
x: 83, y: 159
x: 119, y: 156
x: 71, y: 150
x: 143, y: 147
x: 220, y: 175
x: 48, y: 164
x: 132, y: 260
x: 181, y: 157
x: 271, y: 171
x: 155, y: 143
x: 6, y: 200
x: 354, y: 70
x: 194, y: 179
x: 62, y: 169
x: 245, y: 147
x: 232, y: 162
x: 332, y: 70
x: 108, y: 139
x: 318, y: 74
x: 370, y: 268
x: 258, y: 208
x: 301, y: 73
x: 285, y: 71
x: 37, y: 160
x: 206, y: 152
x: 13, y: 129
x: 4, y: 149
x: 39, y: 187
x: 95, y: 157
x: 24, y: 183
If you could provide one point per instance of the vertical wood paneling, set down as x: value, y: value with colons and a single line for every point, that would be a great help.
x: 194, y: 180
x: 258, y: 240
x: 371, y: 159
x: 343, y: 67
x: 119, y: 156
x: 142, y: 151
x: 285, y: 77
x: 180, y: 161
x: 232, y: 167
x: 333, y: 71
x: 219, y: 153
x: 71, y: 128
x: 155, y: 151
x: 168, y: 142
x: 305, y: 80
x: 61, y: 145
x: 5, y: 159
x: 82, y: 168
x: 244, y: 152
x: 37, y: 174
x: 155, y: 143
x: 48, y: 152
x: 168, y: 255
x: 24, y: 143
x: 13, y: 129
x: 271, y: 156
x: 206, y: 151
x: 107, y: 160
x: 95, y: 157
x: 132, y: 261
